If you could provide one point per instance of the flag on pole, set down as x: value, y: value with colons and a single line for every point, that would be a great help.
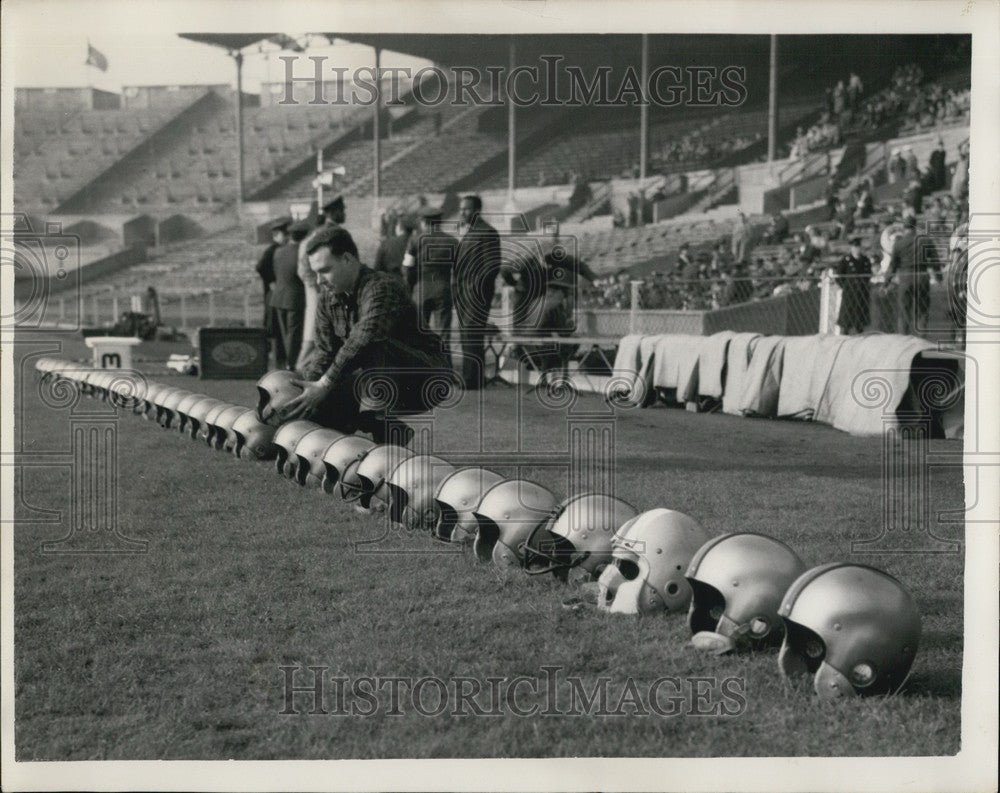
x: 96, y: 58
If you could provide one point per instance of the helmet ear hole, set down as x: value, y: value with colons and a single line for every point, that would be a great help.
x: 673, y: 588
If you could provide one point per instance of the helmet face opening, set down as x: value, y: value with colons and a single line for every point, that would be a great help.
x: 708, y: 606
x: 398, y: 499
x: 446, y: 522
x: 803, y: 651
x: 486, y: 538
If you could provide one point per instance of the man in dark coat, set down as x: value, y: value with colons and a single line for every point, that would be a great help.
x: 265, y: 269
x: 854, y: 279
x: 288, y: 295
x: 392, y: 250
x: 428, y: 266
x: 476, y: 270
x: 937, y: 169
x: 913, y: 281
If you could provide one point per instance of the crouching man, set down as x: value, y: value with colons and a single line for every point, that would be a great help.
x: 373, y: 362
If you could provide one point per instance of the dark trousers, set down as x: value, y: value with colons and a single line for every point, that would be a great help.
x: 390, y: 380
x: 473, y: 329
x: 291, y: 324
x: 914, y: 298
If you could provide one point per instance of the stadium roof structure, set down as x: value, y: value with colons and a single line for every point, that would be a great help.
x: 229, y: 41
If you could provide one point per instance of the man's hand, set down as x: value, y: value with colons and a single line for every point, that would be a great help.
x: 308, y: 402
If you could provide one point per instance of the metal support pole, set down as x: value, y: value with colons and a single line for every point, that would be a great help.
x: 644, y: 111
x: 211, y: 309
x: 184, y: 318
x: 376, y: 140
x: 319, y: 182
x: 97, y: 311
x: 633, y: 307
x: 772, y: 102
x: 511, y: 128
x: 238, y: 56
x: 246, y: 311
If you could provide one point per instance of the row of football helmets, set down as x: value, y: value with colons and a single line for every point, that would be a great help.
x: 852, y: 628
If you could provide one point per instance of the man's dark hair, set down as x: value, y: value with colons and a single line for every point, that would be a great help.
x: 338, y: 240
x: 477, y: 202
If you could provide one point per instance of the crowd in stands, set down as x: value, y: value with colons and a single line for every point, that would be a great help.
x: 920, y: 106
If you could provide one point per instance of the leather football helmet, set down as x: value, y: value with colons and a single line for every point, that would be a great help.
x: 207, y: 429
x: 274, y: 391
x: 457, y: 497
x: 198, y: 414
x: 285, y: 440
x: 737, y: 583
x: 372, y: 472
x: 220, y: 433
x: 650, y: 555
x: 184, y: 410
x: 252, y: 438
x: 341, y: 461
x: 577, y: 534
x: 149, y: 405
x: 309, y: 451
x: 412, y: 486
x: 506, y: 516
x: 126, y: 388
x: 167, y: 404
x: 853, y: 628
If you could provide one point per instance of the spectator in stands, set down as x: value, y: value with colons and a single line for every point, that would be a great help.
x: 428, y: 266
x: 389, y: 257
x: 687, y: 268
x: 366, y: 327
x: 288, y: 298
x: 476, y: 269
x: 265, y: 269
x: 897, y: 166
x: 742, y: 242
x: 855, y: 89
x: 777, y: 230
x: 722, y: 262
x: 912, y: 166
x: 937, y: 173
x: 334, y: 214
x: 738, y: 286
x: 853, y: 276
x: 960, y: 179
x: 865, y: 204
x: 913, y: 196
x: 843, y: 221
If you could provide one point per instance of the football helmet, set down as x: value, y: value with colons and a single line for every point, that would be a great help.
x: 309, y: 451
x: 184, y: 409
x: 168, y: 402
x: 577, y: 534
x: 506, y: 516
x: 650, y: 555
x: 207, y: 429
x: 220, y: 433
x: 412, y: 486
x: 274, y: 391
x: 737, y: 582
x: 252, y: 438
x: 197, y: 415
x: 285, y: 440
x: 341, y: 461
x: 147, y: 408
x: 853, y: 628
x: 457, y: 496
x: 370, y: 490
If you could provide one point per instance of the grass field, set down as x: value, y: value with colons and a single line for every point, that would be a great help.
x: 177, y: 653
